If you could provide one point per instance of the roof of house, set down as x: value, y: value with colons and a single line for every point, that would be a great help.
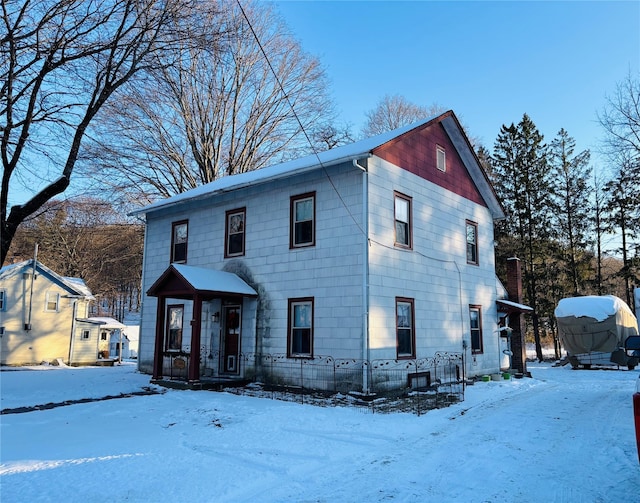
x: 180, y: 280
x: 75, y: 286
x: 338, y: 155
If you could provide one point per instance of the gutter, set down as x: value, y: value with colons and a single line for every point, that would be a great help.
x: 315, y: 163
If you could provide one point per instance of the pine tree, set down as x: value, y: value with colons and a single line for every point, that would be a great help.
x: 523, y: 183
x: 571, y: 173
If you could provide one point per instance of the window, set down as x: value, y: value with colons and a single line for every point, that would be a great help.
x: 441, y: 158
x: 103, y: 336
x: 234, y: 233
x: 405, y: 333
x: 52, y: 301
x: 179, y: 234
x: 475, y: 317
x: 173, y: 340
x: 300, y: 332
x: 403, y: 220
x: 303, y: 212
x: 3, y: 302
x: 472, y: 243
x: 86, y: 334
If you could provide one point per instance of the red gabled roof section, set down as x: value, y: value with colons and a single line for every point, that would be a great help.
x: 415, y: 151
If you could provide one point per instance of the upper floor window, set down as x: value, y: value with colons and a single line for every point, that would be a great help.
x: 179, y: 235
x: 441, y: 158
x: 403, y: 220
x: 52, y: 301
x: 303, y: 216
x: 234, y: 232
x: 3, y: 300
x: 472, y: 242
x: 405, y: 332
x: 475, y: 318
x: 300, y: 333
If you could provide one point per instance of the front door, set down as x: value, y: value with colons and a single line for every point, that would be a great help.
x: 231, y: 339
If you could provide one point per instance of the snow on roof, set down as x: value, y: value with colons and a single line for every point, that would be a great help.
x: 331, y: 157
x: 75, y: 285
x: 593, y: 306
x: 516, y: 305
x: 213, y: 280
x: 105, y: 322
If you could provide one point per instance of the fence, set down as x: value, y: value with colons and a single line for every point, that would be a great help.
x: 414, y: 385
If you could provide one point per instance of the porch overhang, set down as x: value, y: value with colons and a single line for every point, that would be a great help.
x: 181, y: 281
x: 507, y: 306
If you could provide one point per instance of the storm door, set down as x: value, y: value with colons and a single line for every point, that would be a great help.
x: 231, y: 339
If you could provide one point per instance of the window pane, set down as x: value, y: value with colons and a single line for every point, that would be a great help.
x: 404, y: 315
x: 304, y: 210
x: 302, y: 316
x: 180, y: 233
x: 402, y: 210
x: 442, y: 166
x: 235, y: 244
x: 301, y: 341
x: 304, y: 232
x: 404, y: 342
x: 236, y: 223
x: 402, y: 233
x: 472, y: 242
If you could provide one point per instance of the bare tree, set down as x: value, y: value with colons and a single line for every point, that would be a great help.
x: 217, y: 109
x: 89, y: 239
x: 620, y: 119
x: 61, y: 62
x: 394, y: 111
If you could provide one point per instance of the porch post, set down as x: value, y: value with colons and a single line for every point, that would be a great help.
x: 196, y: 326
x: 157, y: 352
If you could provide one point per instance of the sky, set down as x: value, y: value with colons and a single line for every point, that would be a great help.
x: 489, y: 61
x: 562, y: 436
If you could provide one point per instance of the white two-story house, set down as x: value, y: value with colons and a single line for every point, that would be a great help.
x: 381, y: 250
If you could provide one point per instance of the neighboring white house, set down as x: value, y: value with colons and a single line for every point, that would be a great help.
x: 382, y: 250
x: 40, y: 314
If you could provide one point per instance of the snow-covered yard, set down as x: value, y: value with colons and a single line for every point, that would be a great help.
x: 563, y: 436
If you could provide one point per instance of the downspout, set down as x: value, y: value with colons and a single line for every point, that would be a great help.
x: 27, y: 325
x: 365, y: 276
x: 142, y: 296
x: 73, y: 329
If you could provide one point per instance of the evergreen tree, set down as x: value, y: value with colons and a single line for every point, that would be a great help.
x: 572, y: 200
x: 523, y: 183
x: 622, y: 206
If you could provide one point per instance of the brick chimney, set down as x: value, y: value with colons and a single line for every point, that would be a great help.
x: 516, y: 319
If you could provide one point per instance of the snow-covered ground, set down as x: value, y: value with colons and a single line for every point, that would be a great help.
x: 563, y: 436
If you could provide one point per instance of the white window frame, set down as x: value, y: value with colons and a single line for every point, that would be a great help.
x: 47, y: 301
x: 471, y: 247
x: 441, y: 158
x: 306, y: 329
x: 406, y: 222
x: 86, y: 334
x: 293, y: 238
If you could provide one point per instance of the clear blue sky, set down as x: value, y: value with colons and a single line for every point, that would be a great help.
x: 490, y: 62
